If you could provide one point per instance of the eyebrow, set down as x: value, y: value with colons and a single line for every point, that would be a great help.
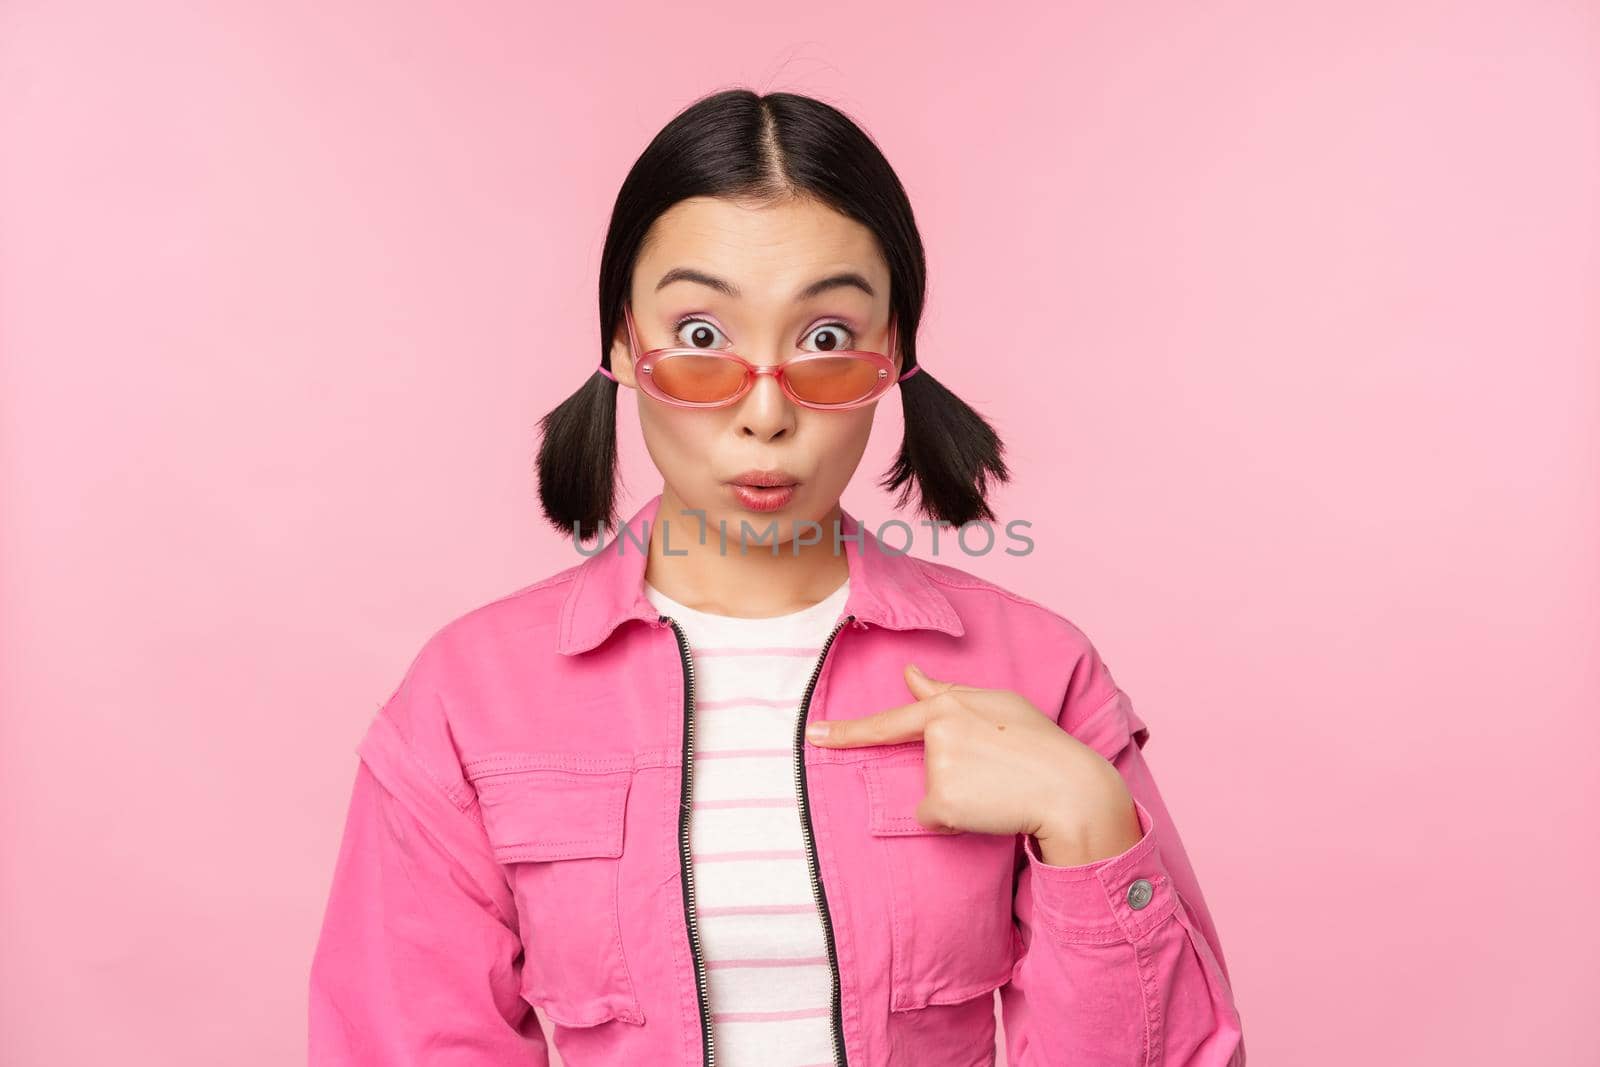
x: 847, y: 279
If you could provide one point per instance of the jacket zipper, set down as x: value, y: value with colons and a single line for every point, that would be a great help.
x: 687, y: 870
x: 839, y: 1057
x: 701, y: 992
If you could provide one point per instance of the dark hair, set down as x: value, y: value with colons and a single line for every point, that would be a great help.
x: 742, y: 145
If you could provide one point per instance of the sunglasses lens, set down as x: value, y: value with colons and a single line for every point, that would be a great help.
x: 698, y: 379
x: 840, y: 380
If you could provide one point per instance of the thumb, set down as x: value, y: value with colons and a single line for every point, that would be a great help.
x: 921, y: 685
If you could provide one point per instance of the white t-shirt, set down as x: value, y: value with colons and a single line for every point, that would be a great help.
x: 760, y: 931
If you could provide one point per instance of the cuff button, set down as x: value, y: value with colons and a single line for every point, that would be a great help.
x: 1139, y: 894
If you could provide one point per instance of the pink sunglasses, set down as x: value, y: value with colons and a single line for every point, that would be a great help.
x: 714, y: 378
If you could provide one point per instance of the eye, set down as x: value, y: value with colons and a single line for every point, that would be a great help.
x: 701, y: 335
x: 833, y: 337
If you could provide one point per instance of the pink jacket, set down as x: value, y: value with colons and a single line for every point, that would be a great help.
x: 518, y: 836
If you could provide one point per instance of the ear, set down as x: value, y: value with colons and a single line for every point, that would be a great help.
x: 621, y: 358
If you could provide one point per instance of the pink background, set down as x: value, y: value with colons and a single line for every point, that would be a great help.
x: 1306, y: 300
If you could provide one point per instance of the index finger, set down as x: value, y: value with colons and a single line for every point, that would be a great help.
x: 903, y: 723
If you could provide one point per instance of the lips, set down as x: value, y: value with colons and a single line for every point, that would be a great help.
x: 763, y: 490
x: 760, y: 479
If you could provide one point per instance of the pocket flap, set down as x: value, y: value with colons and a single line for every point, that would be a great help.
x: 1110, y: 727
x: 549, y: 814
x: 894, y: 789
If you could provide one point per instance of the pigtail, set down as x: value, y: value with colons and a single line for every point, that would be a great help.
x: 949, y: 450
x: 577, y: 464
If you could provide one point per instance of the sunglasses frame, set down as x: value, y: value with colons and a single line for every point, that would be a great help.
x: 644, y: 366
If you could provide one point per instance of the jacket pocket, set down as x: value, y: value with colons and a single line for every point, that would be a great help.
x: 949, y: 894
x: 559, y: 834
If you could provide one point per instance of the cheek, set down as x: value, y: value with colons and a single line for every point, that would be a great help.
x: 839, y: 440
x: 850, y: 429
x: 678, y: 441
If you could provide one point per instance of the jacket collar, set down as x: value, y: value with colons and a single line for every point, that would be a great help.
x: 886, y: 588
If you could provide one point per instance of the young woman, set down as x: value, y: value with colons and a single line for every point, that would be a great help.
x: 750, y: 784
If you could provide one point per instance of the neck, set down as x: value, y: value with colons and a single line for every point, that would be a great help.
x: 757, y: 581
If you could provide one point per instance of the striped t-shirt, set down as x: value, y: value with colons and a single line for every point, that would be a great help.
x: 760, y: 931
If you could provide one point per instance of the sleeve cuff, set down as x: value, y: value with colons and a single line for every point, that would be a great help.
x: 1122, y: 897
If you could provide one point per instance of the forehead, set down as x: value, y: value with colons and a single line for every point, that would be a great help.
x: 767, y: 250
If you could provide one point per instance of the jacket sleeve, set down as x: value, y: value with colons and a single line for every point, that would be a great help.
x: 419, y: 957
x: 1101, y: 980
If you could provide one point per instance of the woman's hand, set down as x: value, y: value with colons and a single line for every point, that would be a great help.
x: 996, y: 764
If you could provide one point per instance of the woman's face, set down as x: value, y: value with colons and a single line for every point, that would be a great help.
x: 768, y: 256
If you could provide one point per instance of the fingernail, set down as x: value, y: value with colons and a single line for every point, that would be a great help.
x: 918, y: 670
x: 816, y: 731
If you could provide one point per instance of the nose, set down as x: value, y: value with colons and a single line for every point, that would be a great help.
x: 766, y: 412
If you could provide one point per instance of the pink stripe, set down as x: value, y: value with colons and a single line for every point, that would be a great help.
x: 739, y: 753
x: 758, y: 909
x: 746, y: 702
x: 768, y: 1016
x: 770, y: 961
x: 748, y: 854
x: 777, y: 651
x: 750, y: 802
